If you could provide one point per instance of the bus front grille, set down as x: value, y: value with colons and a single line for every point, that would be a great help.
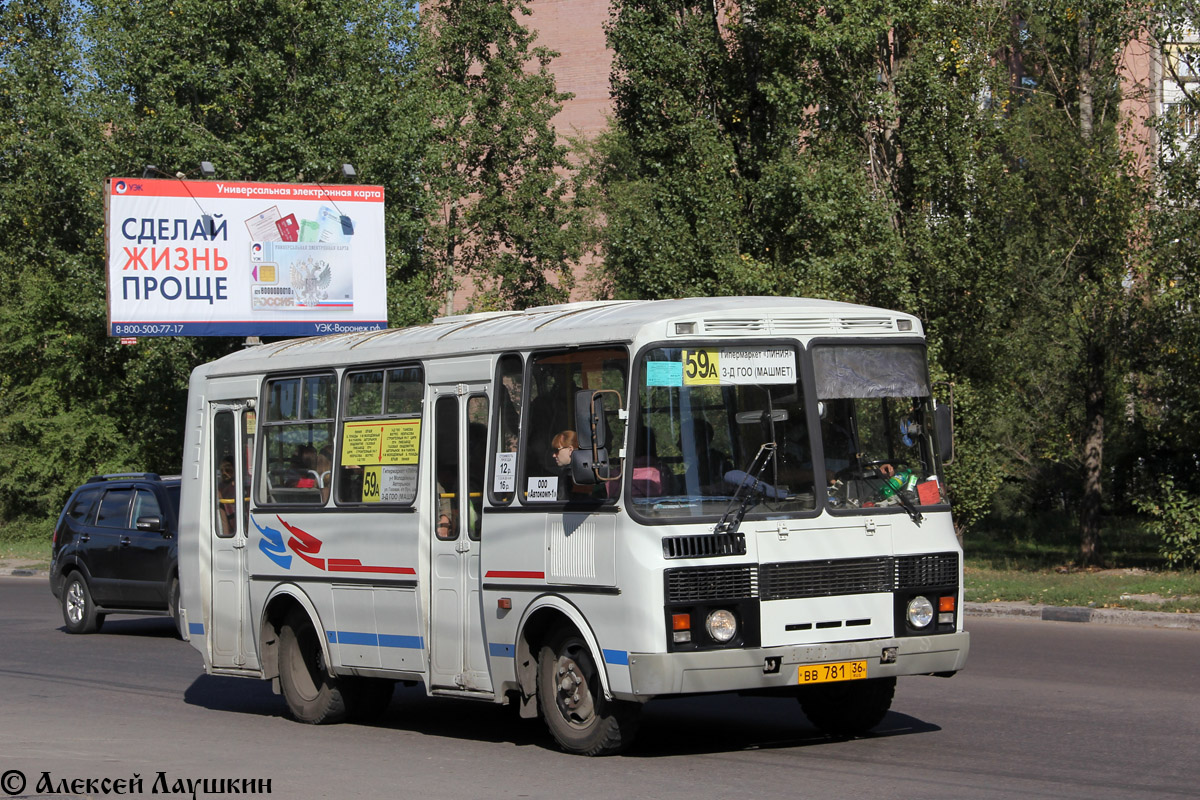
x: 792, y: 580
x: 707, y: 545
x: 935, y: 569
x: 696, y: 584
x: 797, y: 579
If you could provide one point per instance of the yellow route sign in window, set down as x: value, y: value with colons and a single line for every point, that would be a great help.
x: 701, y: 367
x: 393, y: 441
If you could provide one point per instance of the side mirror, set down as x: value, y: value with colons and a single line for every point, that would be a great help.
x: 149, y: 523
x: 943, y: 422
x: 590, y: 463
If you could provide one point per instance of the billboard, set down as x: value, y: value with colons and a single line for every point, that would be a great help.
x: 217, y: 258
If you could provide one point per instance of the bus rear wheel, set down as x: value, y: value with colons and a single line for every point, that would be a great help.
x: 312, y: 694
x: 572, y: 700
x: 848, y: 708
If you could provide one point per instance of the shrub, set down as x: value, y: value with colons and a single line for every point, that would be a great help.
x: 1175, y: 521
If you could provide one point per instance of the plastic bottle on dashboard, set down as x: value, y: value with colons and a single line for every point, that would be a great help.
x: 900, y: 480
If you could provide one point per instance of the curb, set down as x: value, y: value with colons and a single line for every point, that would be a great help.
x: 1102, y: 616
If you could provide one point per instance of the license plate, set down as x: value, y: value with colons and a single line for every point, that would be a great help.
x: 828, y: 673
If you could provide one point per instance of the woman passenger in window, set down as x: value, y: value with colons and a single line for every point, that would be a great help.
x: 561, y: 446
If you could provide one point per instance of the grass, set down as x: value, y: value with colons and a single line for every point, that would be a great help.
x: 27, y: 540
x: 1033, y: 560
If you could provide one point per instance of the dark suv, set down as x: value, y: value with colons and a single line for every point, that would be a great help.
x: 115, y: 550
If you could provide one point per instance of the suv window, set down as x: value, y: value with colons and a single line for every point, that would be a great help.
x: 81, y: 506
x: 114, y: 509
x: 145, y: 504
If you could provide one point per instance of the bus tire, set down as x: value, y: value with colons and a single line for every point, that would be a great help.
x: 79, y: 610
x: 572, y: 700
x: 313, y: 695
x: 848, y: 708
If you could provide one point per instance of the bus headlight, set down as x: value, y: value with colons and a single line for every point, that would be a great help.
x: 920, y: 612
x: 721, y: 625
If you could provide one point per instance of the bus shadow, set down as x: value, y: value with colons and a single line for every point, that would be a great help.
x: 225, y: 693
x: 146, y: 627
x: 719, y: 724
x: 670, y: 726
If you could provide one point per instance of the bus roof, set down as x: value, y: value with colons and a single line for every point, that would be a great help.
x: 581, y: 323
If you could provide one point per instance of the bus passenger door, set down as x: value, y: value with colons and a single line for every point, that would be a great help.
x: 457, y: 656
x: 230, y: 636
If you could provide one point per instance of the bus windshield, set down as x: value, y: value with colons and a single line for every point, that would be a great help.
x: 876, y: 426
x: 704, y: 414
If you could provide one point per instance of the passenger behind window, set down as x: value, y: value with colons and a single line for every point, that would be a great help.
x: 227, y: 496
x: 711, y: 463
x: 647, y: 469
x: 324, y: 472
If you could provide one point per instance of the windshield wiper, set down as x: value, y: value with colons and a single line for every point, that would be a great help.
x: 909, y: 507
x: 751, y: 485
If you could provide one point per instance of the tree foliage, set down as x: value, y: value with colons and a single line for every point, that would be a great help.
x: 266, y: 90
x: 503, y: 217
x: 965, y: 162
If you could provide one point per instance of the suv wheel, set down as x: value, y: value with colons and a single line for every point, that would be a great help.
x: 173, y: 606
x: 79, y: 612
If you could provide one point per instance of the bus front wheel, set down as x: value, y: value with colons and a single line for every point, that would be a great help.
x: 848, y: 708
x: 312, y: 694
x: 572, y: 700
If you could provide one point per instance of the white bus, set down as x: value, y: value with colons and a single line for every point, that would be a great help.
x: 577, y: 509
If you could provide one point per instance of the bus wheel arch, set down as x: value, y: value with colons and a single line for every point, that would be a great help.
x: 545, y: 616
x: 280, y: 606
x: 562, y: 676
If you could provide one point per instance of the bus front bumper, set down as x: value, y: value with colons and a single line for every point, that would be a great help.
x: 653, y: 674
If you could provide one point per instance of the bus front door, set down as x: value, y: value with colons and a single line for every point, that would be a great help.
x: 230, y: 639
x: 458, y: 660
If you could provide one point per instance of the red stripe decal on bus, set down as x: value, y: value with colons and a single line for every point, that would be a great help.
x: 354, y: 565
x: 515, y: 574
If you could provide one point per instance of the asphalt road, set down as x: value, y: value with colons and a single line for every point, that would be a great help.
x: 1043, y: 710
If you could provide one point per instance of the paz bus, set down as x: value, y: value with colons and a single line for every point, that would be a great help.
x: 576, y: 509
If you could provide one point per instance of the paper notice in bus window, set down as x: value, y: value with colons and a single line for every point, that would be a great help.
x: 757, y: 365
x: 389, y: 484
x: 664, y: 373
x: 505, y: 479
x: 395, y: 441
x: 544, y: 489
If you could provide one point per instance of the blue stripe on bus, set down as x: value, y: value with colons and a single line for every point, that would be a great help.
x: 618, y: 657
x: 502, y: 650
x: 376, y: 640
x: 196, y: 628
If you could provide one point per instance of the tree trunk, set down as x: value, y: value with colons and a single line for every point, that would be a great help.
x: 1093, y: 442
x: 1093, y: 457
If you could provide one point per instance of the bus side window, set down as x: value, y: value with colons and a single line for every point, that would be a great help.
x: 554, y: 380
x: 507, y: 425
x: 376, y: 460
x: 298, y: 425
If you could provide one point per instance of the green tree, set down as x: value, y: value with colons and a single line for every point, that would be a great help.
x: 274, y: 90
x: 265, y: 90
x: 839, y: 150
x: 503, y: 214
x: 1077, y: 192
x: 61, y: 412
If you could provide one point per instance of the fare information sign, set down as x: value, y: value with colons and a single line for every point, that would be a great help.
x: 215, y: 258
